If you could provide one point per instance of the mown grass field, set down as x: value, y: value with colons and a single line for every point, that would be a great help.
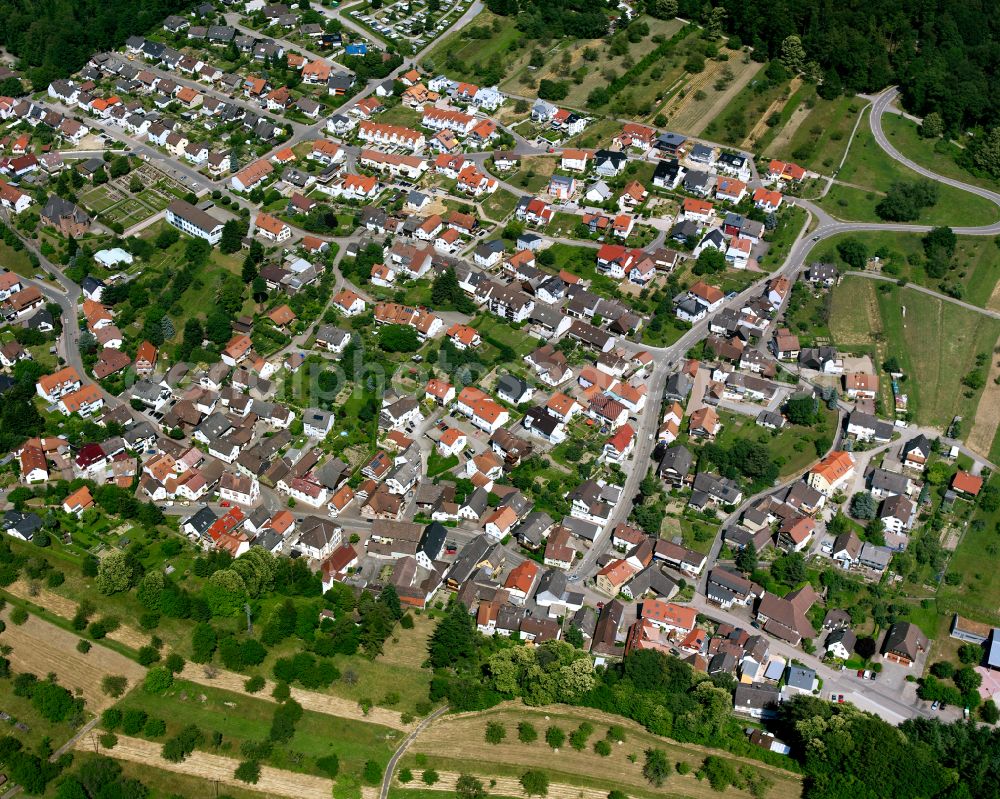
x: 871, y: 169
x: 818, y: 139
x: 455, y: 743
x: 935, y: 341
x: 936, y: 154
x: 40, y: 648
x: 977, y: 260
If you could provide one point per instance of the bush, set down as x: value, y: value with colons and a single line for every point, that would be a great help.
x: 603, y: 748
x: 616, y: 733
x: 148, y: 655
x: 254, y: 685
x: 430, y: 776
x: 174, y: 662
x: 372, y: 773
x: 154, y: 728
x: 526, y: 732
x: 114, y: 685
x: 405, y: 776
x: 535, y: 782
x: 18, y: 616
x: 719, y: 773
x: 406, y: 622
x: 656, y: 768
x: 329, y: 765
x: 158, y: 680
x: 248, y: 771
x: 495, y: 732
x: 555, y: 737
x: 111, y: 719
x: 133, y: 721
x: 109, y: 740
x: 942, y: 669
x: 83, y: 646
x: 578, y: 738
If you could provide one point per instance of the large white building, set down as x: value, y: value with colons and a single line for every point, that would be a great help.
x: 194, y: 221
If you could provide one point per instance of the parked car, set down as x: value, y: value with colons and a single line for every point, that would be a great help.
x: 935, y: 705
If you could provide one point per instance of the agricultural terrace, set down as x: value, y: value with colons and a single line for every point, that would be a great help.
x: 456, y: 744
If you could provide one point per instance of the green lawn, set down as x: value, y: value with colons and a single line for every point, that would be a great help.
x: 490, y: 327
x: 793, y: 448
x: 582, y: 261
x: 976, y: 266
x: 437, y: 464
x: 936, y: 343
x: 240, y: 718
x: 936, y: 154
x: 977, y: 562
x: 400, y: 115
x: 499, y: 205
x: 870, y: 167
x: 819, y: 141
x: 468, y: 51
x: 791, y: 220
x: 15, y: 260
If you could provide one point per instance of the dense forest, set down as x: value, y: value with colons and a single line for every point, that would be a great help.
x: 944, y: 54
x: 54, y: 38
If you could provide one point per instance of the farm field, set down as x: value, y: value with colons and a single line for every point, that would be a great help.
x: 935, y: 341
x: 977, y: 260
x: 216, y: 769
x: 691, y: 115
x: 816, y: 133
x: 936, y: 154
x: 737, y: 122
x: 455, y: 744
x: 163, y: 784
x: 871, y: 172
x: 39, y: 647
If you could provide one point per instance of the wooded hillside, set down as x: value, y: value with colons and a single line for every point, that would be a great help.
x: 54, y: 38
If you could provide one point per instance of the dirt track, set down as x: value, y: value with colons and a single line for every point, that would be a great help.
x: 39, y: 647
x: 310, y: 700
x: 215, y: 768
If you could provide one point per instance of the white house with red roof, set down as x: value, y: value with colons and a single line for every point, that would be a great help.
x: 619, y: 446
